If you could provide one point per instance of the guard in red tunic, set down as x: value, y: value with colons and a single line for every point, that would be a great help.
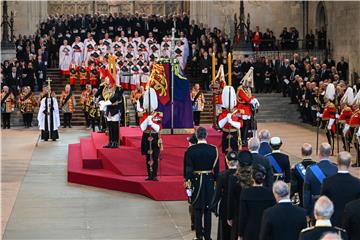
x: 83, y: 76
x: 73, y: 69
x: 230, y: 121
x: 355, y: 125
x: 247, y: 105
x: 93, y: 74
x: 329, y: 114
x: 150, y: 124
x: 217, y: 87
x: 344, y: 118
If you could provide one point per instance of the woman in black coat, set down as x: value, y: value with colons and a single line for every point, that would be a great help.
x: 253, y: 201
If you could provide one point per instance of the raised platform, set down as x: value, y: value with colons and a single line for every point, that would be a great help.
x: 123, y: 169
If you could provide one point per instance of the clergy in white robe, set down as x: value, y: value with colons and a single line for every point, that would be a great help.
x: 48, y: 118
x: 65, y: 58
x: 78, y: 51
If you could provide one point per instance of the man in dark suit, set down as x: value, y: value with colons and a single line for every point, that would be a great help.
x: 202, y: 169
x: 323, y: 210
x: 324, y: 73
x: 351, y: 219
x: 220, y: 200
x: 315, y: 176
x: 205, y: 70
x: 284, y: 74
x: 279, y: 161
x: 264, y: 137
x: 341, y: 188
x: 342, y: 68
x: 13, y: 80
x: 272, y: 224
x: 299, y: 170
x: 253, y: 145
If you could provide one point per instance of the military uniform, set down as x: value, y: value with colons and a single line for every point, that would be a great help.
x: 67, y: 104
x: 84, y: 103
x: 280, y: 164
x: 82, y: 77
x: 354, y: 123
x: 27, y: 106
x: 7, y: 107
x: 73, y: 70
x: 93, y: 111
x: 202, y: 168
x: 322, y: 227
x: 110, y: 101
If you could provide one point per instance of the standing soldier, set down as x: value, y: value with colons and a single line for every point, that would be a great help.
x: 198, y: 102
x: 27, y: 106
x: 93, y: 110
x: 7, y: 106
x: 344, y: 119
x: 67, y: 105
x: 93, y: 74
x: 73, y: 74
x: 217, y: 87
x: 229, y: 121
x: 150, y: 124
x: 202, y: 169
x: 83, y: 76
x: 83, y: 102
x: 247, y: 104
x: 354, y: 123
x: 110, y: 100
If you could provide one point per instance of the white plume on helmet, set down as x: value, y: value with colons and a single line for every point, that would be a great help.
x: 348, y: 97
x: 228, y: 90
x: 330, y: 92
x: 248, y: 79
x: 152, y: 98
x: 357, y: 99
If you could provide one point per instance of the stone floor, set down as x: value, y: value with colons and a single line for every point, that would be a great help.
x: 38, y: 203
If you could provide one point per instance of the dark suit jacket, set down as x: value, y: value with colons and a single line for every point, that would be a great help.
x: 312, y: 186
x: 274, y: 218
x: 341, y: 188
x: 351, y: 219
x: 264, y: 148
x: 315, y: 233
x: 284, y: 163
x: 259, y: 159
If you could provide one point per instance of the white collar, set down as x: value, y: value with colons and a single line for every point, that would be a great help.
x: 254, y: 151
x: 285, y: 200
x: 323, y: 223
x: 343, y: 171
x: 276, y: 151
x: 264, y: 141
x: 202, y: 141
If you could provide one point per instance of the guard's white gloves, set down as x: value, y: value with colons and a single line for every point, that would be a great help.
x: 346, y: 129
x: 319, y: 115
x: 255, y: 103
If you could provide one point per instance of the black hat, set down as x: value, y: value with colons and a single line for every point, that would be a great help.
x: 106, y: 55
x: 124, y: 68
x: 90, y: 46
x: 192, y: 139
x: 118, y: 54
x: 95, y: 55
x: 130, y: 45
x: 232, y: 156
x: 166, y: 45
x: 178, y: 51
x: 152, y: 56
x: 116, y: 45
x: 142, y: 46
x: 145, y: 69
x: 73, y: 71
x: 154, y: 48
x: 130, y: 63
x: 140, y: 63
x: 245, y: 158
x: 76, y: 47
x: 129, y: 55
x: 135, y: 68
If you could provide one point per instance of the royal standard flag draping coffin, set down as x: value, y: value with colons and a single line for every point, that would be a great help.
x: 160, y: 80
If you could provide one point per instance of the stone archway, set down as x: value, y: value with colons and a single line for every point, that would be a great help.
x: 321, y: 17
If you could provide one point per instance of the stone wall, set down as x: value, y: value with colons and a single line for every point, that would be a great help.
x: 28, y: 15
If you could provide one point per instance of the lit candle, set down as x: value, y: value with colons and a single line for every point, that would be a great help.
x: 229, y: 69
x: 213, y: 62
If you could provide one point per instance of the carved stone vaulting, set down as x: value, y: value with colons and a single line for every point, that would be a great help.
x: 124, y: 7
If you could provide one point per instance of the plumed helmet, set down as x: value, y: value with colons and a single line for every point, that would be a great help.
x: 330, y: 92
x: 228, y: 93
x: 348, y: 97
x: 150, y: 97
x: 357, y: 99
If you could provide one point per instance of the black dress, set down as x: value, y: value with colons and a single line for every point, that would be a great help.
x: 253, y: 202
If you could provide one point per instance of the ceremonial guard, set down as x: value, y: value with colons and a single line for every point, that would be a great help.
x: 83, y: 76
x: 202, y: 169
x: 65, y: 58
x: 150, y: 124
x: 279, y: 161
x: 73, y: 70
x: 109, y: 103
x: 247, y: 104
x: 198, y: 103
x: 217, y: 87
x: 355, y: 126
x: 83, y: 102
x: 48, y: 116
x: 27, y: 105
x: 93, y: 74
x: 7, y: 106
x: 346, y: 103
x: 229, y: 121
x: 67, y: 105
x: 329, y: 113
x: 298, y: 174
x: 93, y: 110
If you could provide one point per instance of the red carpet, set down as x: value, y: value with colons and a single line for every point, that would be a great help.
x: 124, y: 168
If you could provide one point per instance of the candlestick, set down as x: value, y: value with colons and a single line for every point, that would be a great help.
x: 213, y: 63
x: 229, y: 70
